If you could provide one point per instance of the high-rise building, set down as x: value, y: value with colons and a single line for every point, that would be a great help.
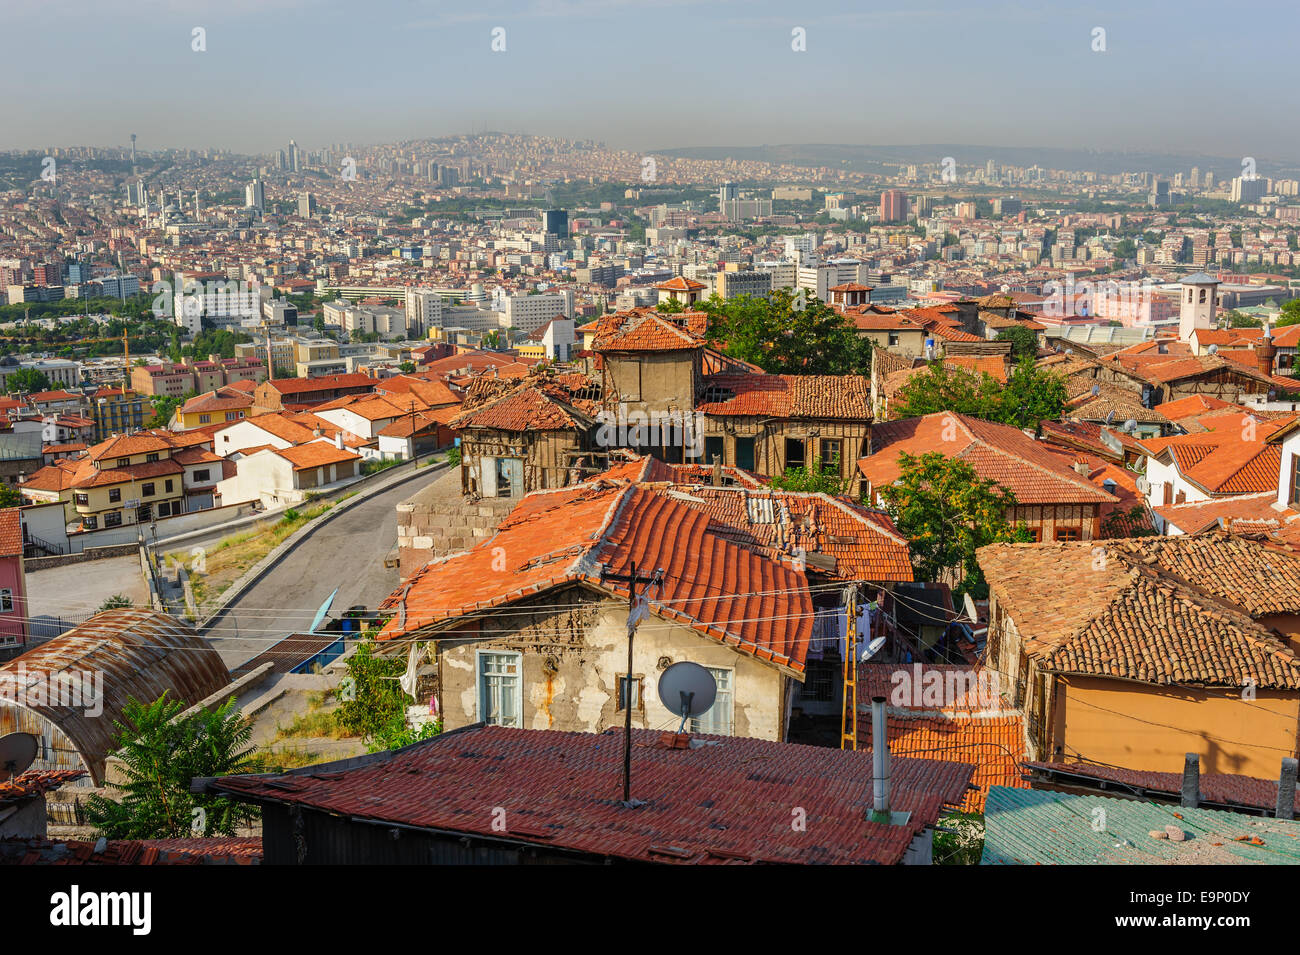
x: 306, y: 205
x: 727, y: 192
x: 1159, y: 195
x: 893, y: 206
x: 293, y: 157
x: 1248, y: 190
x: 255, y: 195
x: 555, y: 222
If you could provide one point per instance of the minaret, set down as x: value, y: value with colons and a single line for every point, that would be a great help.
x: 1196, y: 304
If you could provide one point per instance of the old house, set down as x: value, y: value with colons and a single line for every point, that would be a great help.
x: 13, y: 584
x: 498, y: 796
x: 1135, y: 652
x: 1054, y: 500
x: 530, y: 626
x: 769, y: 424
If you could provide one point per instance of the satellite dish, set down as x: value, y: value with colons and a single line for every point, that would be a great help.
x: 1096, y: 390
x: 969, y: 606
x: 687, y: 689
x: 1213, y: 349
x: 872, y: 649
x: 1130, y: 425
x: 17, y: 752
x: 1143, y: 485
x: 1110, y: 416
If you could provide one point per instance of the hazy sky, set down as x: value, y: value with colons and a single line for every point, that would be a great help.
x: 1192, y: 76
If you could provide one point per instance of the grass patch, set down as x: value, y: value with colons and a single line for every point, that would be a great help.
x: 318, y: 722
x: 279, y: 760
x: 216, y: 568
x: 374, y: 467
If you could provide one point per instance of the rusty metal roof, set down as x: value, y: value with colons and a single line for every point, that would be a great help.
x: 142, y: 654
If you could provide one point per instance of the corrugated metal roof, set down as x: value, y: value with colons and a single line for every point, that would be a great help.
x: 1034, y: 827
x: 142, y: 654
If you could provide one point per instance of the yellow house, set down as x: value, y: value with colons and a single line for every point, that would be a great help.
x: 223, y: 405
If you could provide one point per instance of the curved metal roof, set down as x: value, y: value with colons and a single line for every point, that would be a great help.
x: 141, y: 654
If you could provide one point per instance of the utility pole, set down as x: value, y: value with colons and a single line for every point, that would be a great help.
x: 635, y: 614
x: 849, y: 712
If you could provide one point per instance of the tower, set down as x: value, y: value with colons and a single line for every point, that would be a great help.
x: 133, y: 154
x: 1196, y: 303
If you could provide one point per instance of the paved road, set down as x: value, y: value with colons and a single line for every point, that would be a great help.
x: 348, y: 553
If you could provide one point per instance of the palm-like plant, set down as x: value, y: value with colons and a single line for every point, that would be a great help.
x: 162, y: 752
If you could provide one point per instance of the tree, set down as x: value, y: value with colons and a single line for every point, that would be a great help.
x: 28, y: 380
x: 1238, y: 320
x: 164, y: 407
x: 1024, y: 343
x: 1290, y: 313
x: 10, y: 496
x: 115, y: 602
x: 947, y: 512
x: 162, y: 751
x: 1031, y: 395
x: 375, y: 705
x: 407, y: 367
x: 819, y: 478
x: 787, y: 333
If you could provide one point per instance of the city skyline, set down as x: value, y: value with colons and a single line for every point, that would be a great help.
x: 633, y: 75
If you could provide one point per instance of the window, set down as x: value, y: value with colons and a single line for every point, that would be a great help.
x: 113, y: 519
x: 713, y: 448
x: 794, y: 453
x: 201, y: 475
x: 230, y: 416
x: 114, y: 495
x: 717, y: 718
x: 1068, y: 534
x: 819, y: 682
x: 146, y: 490
x: 205, y: 419
x: 168, y: 486
x: 123, y: 462
x: 893, y: 338
x: 90, y: 522
x: 830, y: 449
x: 745, y: 453
x: 1036, y: 533
x: 500, y: 697
x: 1201, y: 300
x: 151, y: 457
x: 624, y: 685
x: 6, y: 601
x: 81, y: 499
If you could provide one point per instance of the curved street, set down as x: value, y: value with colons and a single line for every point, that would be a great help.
x: 348, y: 553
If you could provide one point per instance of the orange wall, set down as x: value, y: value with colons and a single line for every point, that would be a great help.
x: 1103, y: 721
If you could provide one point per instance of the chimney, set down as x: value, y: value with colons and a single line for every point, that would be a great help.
x: 1265, y: 353
x: 1191, y: 781
x: 338, y: 440
x: 1286, y: 789
x: 879, y: 760
x: 1081, y: 467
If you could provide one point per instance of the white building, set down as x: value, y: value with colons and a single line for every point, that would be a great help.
x: 527, y: 313
x: 1196, y: 304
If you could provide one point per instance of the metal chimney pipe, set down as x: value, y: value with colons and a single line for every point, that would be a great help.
x: 879, y: 757
x: 1192, y: 781
x: 1286, y: 789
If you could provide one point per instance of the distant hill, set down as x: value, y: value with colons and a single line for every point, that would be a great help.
x: 875, y: 158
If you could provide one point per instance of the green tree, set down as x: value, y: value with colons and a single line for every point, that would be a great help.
x: 819, y: 478
x: 1031, y: 395
x: 10, y: 496
x: 374, y: 705
x: 162, y: 751
x: 1290, y: 313
x: 787, y: 333
x: 1024, y: 343
x: 164, y: 407
x: 115, y: 602
x: 28, y: 380
x: 1238, y: 320
x: 947, y: 511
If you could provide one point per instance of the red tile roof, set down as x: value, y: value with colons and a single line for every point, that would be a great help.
x: 579, y: 534
x: 643, y: 331
x: 726, y: 802
x: 997, y: 452
x: 298, y: 386
x: 843, y: 397
x: 11, y: 532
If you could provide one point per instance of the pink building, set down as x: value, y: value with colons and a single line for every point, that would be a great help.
x: 13, y: 586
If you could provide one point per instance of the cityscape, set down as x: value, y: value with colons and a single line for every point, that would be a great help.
x: 684, y: 477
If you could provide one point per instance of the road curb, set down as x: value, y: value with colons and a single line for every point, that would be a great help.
x: 267, y: 563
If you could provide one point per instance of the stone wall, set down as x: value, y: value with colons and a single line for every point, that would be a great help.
x: 438, y: 521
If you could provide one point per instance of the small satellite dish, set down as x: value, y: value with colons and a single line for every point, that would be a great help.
x: 872, y: 649
x: 968, y: 605
x: 1143, y: 485
x: 1096, y: 390
x: 1130, y: 425
x: 1213, y: 349
x: 17, y: 752
x: 1110, y: 416
x: 687, y: 689
x: 1069, y: 351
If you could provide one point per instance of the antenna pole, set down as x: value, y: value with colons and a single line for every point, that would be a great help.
x: 632, y: 580
x: 849, y: 712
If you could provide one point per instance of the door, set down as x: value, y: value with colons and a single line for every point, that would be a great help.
x: 487, y: 485
x: 745, y: 453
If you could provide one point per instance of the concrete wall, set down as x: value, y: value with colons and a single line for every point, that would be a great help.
x: 572, y: 659
x: 167, y: 527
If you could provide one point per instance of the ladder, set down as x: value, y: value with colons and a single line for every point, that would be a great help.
x: 849, y: 711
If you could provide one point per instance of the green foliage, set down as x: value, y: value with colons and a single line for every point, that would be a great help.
x: 372, y: 466
x: 1024, y: 343
x: 1290, y: 313
x: 215, y: 342
x: 946, y: 512
x: 453, y: 457
x: 375, y: 705
x: 1238, y: 320
x: 820, y: 478
x: 28, y: 380
x: 406, y: 367
x: 115, y: 602
x: 787, y: 333
x: 161, y: 754
x: 670, y: 306
x: 1030, y: 395
x: 959, y: 839
x: 10, y: 496
x: 165, y: 408
x: 1130, y: 523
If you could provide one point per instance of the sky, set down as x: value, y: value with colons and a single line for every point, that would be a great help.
x: 1193, y: 77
